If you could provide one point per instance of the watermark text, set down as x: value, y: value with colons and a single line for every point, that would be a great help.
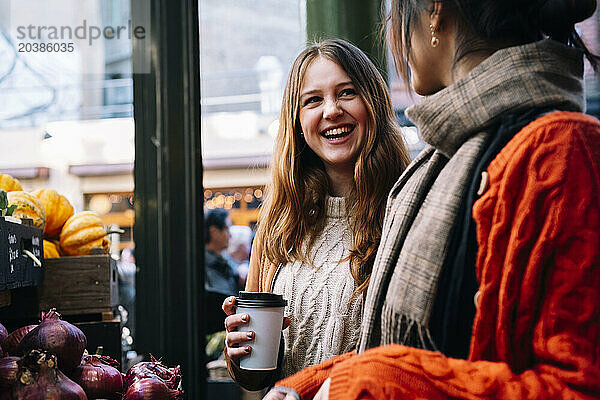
x: 84, y: 31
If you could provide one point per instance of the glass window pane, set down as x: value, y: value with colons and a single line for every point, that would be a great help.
x: 243, y: 72
x: 66, y: 123
x: 246, y: 49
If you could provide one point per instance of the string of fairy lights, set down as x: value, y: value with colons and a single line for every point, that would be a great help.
x: 233, y: 198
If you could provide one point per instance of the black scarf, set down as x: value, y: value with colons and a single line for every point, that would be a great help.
x: 454, y: 307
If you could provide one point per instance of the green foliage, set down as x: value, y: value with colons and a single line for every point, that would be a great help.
x: 5, y: 209
x: 215, y: 344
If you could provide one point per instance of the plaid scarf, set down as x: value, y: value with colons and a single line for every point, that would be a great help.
x: 424, y: 203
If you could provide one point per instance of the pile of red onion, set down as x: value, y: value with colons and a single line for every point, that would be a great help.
x: 154, y: 369
x: 39, y: 356
x: 39, y: 378
x: 99, y: 378
x: 153, y: 381
x: 11, y: 342
x: 3, y: 335
x: 8, y: 372
x: 151, y: 389
x: 57, y: 337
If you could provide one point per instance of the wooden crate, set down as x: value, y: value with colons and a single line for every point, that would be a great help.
x: 79, y: 285
x: 83, y: 285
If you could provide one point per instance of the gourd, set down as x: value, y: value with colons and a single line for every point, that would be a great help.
x: 9, y: 184
x: 28, y: 206
x: 50, y: 250
x: 57, y: 207
x: 83, y: 232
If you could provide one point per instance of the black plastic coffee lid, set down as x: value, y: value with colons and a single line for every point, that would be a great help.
x: 260, y: 299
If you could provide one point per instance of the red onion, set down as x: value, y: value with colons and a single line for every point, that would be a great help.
x: 154, y: 369
x: 98, y: 378
x: 151, y: 389
x: 11, y: 343
x: 57, y: 337
x: 8, y: 372
x: 40, y: 379
x: 3, y: 333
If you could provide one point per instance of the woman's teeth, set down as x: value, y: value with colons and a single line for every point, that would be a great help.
x: 337, y: 133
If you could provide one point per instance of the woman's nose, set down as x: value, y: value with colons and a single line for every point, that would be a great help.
x: 332, y: 109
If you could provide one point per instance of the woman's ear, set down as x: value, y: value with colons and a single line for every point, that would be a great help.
x: 435, y: 16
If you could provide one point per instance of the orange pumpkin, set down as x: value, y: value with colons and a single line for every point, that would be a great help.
x: 50, y: 249
x: 28, y: 206
x: 57, y: 207
x: 83, y: 232
x: 9, y: 184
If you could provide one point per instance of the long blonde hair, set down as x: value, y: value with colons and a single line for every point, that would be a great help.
x: 294, y: 207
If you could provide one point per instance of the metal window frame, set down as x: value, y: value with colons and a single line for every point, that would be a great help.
x: 357, y: 21
x: 168, y: 192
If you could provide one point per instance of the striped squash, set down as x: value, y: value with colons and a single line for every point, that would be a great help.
x: 83, y: 232
x: 28, y: 206
x: 57, y: 207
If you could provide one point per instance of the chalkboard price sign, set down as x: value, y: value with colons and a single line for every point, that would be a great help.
x: 17, y: 269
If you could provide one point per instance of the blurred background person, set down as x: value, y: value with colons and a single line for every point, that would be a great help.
x: 221, y: 276
x: 238, y: 252
x: 126, y: 269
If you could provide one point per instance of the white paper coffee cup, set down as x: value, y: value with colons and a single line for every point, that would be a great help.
x: 266, y: 320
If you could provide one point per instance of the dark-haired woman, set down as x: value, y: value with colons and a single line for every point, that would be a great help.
x: 486, y: 282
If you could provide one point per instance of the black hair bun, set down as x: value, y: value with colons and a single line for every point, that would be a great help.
x: 557, y: 17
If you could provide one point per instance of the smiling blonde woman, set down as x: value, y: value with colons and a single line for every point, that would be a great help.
x: 338, y: 152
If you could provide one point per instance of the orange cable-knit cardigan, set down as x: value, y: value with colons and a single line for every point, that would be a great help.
x: 536, y: 333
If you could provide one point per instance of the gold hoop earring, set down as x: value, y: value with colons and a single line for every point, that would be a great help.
x: 435, y: 42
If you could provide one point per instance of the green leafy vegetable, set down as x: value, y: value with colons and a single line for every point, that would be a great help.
x: 5, y: 209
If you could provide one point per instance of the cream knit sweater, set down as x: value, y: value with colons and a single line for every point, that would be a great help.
x: 323, y: 323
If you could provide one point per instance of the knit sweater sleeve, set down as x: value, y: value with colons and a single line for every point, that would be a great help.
x: 308, y: 381
x: 538, y: 321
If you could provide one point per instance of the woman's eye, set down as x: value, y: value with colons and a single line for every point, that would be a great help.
x: 311, y: 100
x: 348, y: 92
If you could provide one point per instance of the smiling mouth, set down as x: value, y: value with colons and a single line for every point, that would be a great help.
x: 337, y: 133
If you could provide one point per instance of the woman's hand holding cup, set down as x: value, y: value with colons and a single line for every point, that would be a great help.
x: 235, y: 339
x: 257, y: 311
